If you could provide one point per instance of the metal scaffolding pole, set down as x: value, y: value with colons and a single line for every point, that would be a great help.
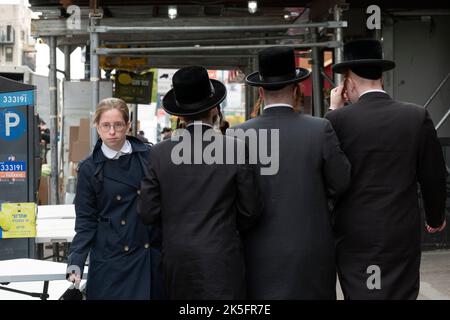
x: 94, y: 77
x: 107, y: 51
x: 437, y: 90
x: 250, y: 92
x: 134, y: 126
x: 317, y: 81
x: 52, y: 88
x: 326, y: 24
x: 338, y: 51
x: 67, y: 52
x: 197, y: 41
x: 444, y: 118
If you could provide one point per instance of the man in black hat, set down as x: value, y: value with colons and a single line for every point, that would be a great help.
x: 290, y: 252
x: 201, y: 206
x: 392, y: 146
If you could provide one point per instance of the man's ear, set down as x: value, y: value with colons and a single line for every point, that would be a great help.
x: 261, y: 92
x: 214, y: 111
x: 350, y: 84
x: 296, y: 91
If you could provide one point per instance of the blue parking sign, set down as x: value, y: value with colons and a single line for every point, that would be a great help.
x: 13, y: 124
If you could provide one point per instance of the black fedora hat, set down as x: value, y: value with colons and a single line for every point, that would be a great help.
x: 193, y: 92
x: 365, y: 53
x: 276, y: 69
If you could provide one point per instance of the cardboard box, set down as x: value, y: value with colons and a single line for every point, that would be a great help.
x: 44, y: 190
x: 84, y: 132
x: 73, y: 134
x: 79, y: 140
x: 79, y: 151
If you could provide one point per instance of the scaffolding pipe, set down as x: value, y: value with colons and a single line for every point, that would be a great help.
x: 437, y: 90
x: 134, y: 126
x: 326, y: 77
x: 196, y: 41
x: 52, y: 88
x: 316, y: 78
x: 95, y: 78
x: 338, y: 51
x: 250, y: 92
x: 108, y: 51
x: 67, y: 51
x: 443, y: 120
x: 326, y: 24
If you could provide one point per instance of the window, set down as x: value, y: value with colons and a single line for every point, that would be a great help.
x: 9, y: 54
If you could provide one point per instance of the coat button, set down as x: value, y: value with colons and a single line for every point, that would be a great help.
x: 123, y: 222
x: 119, y: 197
x: 146, y: 246
x: 126, y: 248
x: 138, y: 192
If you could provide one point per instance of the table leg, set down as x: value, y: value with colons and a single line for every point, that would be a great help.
x: 45, y: 291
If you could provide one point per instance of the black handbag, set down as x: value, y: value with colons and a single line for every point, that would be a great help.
x: 73, y: 293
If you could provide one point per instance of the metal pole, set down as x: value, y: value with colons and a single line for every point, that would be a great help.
x: 135, y: 120
x: 95, y: 78
x: 52, y: 83
x: 316, y: 78
x: 326, y: 24
x: 443, y: 120
x: 67, y: 51
x: 250, y: 92
x: 197, y: 41
x: 436, y: 91
x: 105, y: 51
x: 326, y: 77
x: 338, y: 51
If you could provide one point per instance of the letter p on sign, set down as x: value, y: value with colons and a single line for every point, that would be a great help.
x: 11, y: 120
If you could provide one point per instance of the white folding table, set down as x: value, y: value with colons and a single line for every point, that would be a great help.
x: 28, y: 270
x: 59, y: 211
x: 55, y: 231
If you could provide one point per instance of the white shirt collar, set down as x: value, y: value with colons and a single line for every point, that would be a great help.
x: 373, y: 90
x: 199, y: 123
x: 274, y: 105
x: 113, y: 154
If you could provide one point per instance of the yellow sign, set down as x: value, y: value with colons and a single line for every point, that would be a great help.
x: 17, y: 220
x: 123, y: 63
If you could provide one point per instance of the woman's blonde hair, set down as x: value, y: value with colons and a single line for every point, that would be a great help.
x: 109, y: 104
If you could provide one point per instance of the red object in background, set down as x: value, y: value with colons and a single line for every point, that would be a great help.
x: 306, y: 85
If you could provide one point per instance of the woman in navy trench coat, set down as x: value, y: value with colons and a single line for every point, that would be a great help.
x: 124, y: 254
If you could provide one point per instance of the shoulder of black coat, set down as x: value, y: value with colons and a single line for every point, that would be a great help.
x: 87, y: 162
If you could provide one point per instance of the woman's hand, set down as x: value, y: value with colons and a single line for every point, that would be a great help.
x: 75, y: 279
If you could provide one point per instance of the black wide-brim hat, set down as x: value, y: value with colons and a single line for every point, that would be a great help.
x: 363, y: 53
x: 193, y: 92
x: 276, y: 69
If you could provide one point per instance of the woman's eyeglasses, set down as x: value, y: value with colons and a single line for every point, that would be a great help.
x: 118, y: 127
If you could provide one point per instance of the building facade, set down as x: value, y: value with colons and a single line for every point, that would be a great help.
x: 16, y: 44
